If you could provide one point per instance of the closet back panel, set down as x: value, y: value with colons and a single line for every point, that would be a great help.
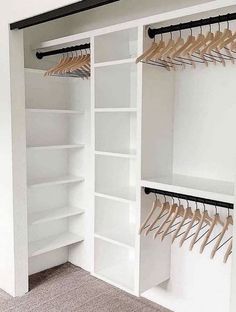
x: 119, y: 45
x: 64, y: 93
x: 115, y: 132
x: 115, y: 86
x: 203, y: 126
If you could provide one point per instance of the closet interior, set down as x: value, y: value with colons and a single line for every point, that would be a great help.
x: 58, y: 141
x: 128, y: 129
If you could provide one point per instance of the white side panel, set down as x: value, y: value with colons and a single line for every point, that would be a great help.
x: 155, y: 256
x: 18, y: 138
x: 157, y: 121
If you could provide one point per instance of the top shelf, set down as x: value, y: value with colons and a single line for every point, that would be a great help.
x: 194, y: 186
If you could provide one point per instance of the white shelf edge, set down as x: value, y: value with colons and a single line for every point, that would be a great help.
x: 189, y: 191
x: 131, y: 60
x: 52, y: 243
x: 116, y: 110
x: 53, y: 111
x: 113, y: 154
x: 109, y: 281
x: 112, y: 241
x: 62, y: 180
x: 56, y: 147
x: 116, y: 198
x: 53, y: 214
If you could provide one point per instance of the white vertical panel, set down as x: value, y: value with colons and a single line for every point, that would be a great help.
x: 19, y: 164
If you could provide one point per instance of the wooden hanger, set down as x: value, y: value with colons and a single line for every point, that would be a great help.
x: 188, y: 214
x: 204, y: 218
x: 228, y: 222
x: 156, y: 204
x: 171, y: 212
x: 81, y: 65
x: 229, y: 251
x: 147, y: 52
x: 196, y: 217
x: 181, y: 49
x: 178, y: 213
x: 61, y: 61
x: 167, y: 48
x: 165, y: 207
x: 160, y: 45
x: 216, y: 220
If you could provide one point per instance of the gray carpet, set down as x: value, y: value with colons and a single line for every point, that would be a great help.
x: 71, y: 289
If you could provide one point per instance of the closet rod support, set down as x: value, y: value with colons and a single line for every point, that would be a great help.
x: 41, y: 55
x: 206, y: 201
x: 152, y: 32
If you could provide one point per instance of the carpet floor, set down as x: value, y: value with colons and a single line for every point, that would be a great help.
x: 70, y: 289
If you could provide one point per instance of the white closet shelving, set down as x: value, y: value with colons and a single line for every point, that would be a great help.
x: 58, y: 119
x: 115, y: 109
x: 147, y: 129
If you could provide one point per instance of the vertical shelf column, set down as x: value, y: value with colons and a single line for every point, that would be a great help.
x: 115, y: 111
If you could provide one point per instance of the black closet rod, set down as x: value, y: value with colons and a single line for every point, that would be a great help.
x: 206, y: 201
x: 152, y: 32
x: 40, y: 55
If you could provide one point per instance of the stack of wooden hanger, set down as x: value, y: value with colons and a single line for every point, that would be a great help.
x: 72, y: 64
x: 187, y: 224
x: 203, y: 48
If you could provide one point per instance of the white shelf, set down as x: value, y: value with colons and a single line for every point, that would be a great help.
x: 53, y: 242
x: 117, y: 62
x: 56, y: 147
x: 54, y: 181
x: 53, y: 111
x: 121, y: 196
x: 53, y: 214
x: 123, y: 239
x: 115, y: 154
x: 120, y: 275
x: 116, y: 110
x: 199, y: 187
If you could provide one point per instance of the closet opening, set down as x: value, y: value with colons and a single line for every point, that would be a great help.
x: 104, y: 124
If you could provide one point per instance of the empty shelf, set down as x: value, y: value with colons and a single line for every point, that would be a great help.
x: 53, y: 242
x: 55, y: 147
x: 130, y: 154
x: 54, y: 111
x: 123, y: 239
x: 117, y: 62
x: 116, y: 110
x: 53, y: 181
x: 53, y: 214
x: 195, y: 186
x: 126, y: 196
x: 120, y: 275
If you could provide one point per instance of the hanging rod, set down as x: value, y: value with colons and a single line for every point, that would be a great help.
x: 152, y: 32
x: 206, y: 201
x: 40, y: 55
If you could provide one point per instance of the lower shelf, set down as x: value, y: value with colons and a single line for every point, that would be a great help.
x: 120, y: 275
x: 53, y: 242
